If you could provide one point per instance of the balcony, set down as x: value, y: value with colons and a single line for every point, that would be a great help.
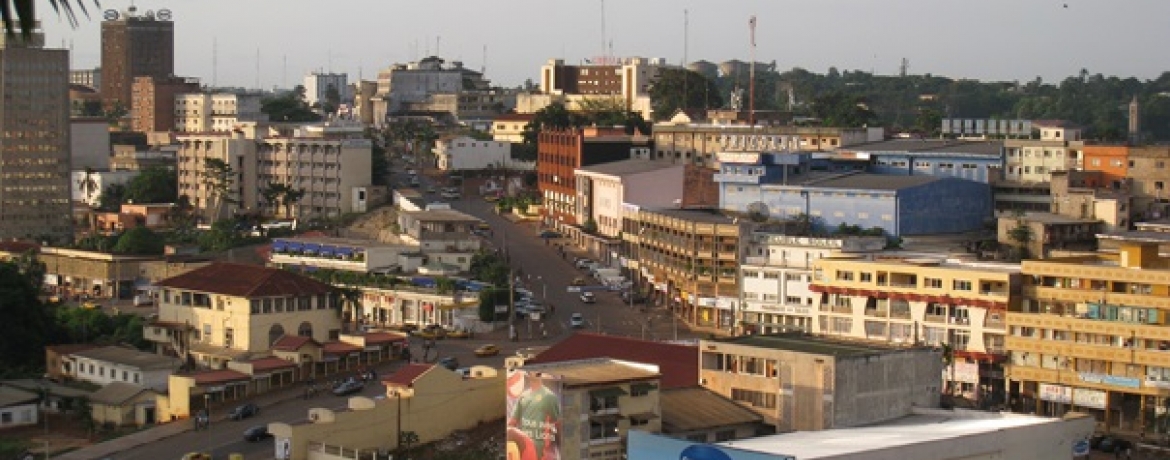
x: 877, y: 313
x: 1089, y: 295
x: 843, y: 309
x: 737, y: 178
x: 936, y: 319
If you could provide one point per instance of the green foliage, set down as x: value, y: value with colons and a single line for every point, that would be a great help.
x: 488, y: 299
x: 26, y: 325
x: 841, y: 110
x: 290, y: 106
x: 153, y: 185
x: 590, y: 226
x: 112, y: 198
x: 222, y: 236
x: 83, y: 325
x: 218, y: 176
x: 856, y: 230
x: 444, y: 285
x: 100, y: 243
x: 489, y: 268
x: 379, y: 166
x: 678, y: 88
x: 592, y: 112
x: 139, y: 241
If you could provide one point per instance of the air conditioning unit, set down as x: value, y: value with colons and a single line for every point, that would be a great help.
x: 702, y: 381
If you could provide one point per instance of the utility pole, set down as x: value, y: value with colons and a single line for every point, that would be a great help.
x: 752, y: 76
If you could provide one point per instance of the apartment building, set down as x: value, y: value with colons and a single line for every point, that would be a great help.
x: 227, y: 312
x: 332, y: 170
x: 690, y: 257
x: 464, y: 153
x: 700, y: 144
x: 200, y: 112
x: 130, y: 158
x: 807, y: 383
x: 1029, y: 163
x: 403, y: 84
x: 775, y: 276
x: 979, y: 161
x: 152, y: 106
x: 105, y: 365
x: 445, y: 236
x: 1150, y: 180
x: 561, y: 152
x: 623, y: 82
x: 510, y: 127
x: 1090, y: 335
x: 928, y: 300
x: 604, y: 190
x: 319, y: 84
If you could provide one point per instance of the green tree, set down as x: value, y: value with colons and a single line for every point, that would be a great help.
x: 332, y: 100
x: 842, y: 110
x: 220, y: 237
x: 26, y: 324
x: 444, y: 285
x: 153, y: 185
x: 271, y: 195
x: 676, y: 89
x: 590, y: 226
x: 290, y: 198
x: 290, y: 106
x: 139, y: 241
x: 379, y: 165
x: 88, y: 183
x: 1021, y: 234
x: 217, y: 177
x: 112, y: 197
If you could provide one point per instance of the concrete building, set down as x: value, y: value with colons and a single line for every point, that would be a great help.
x: 510, y: 127
x: 72, y: 273
x: 775, y: 275
x: 700, y: 144
x: 89, y: 143
x: 35, y: 152
x: 225, y: 312
x: 152, y: 106
x: 327, y: 168
x: 1047, y: 232
x: 105, y: 365
x: 1029, y: 163
x: 925, y: 434
x: 464, y: 153
x: 806, y: 383
x: 1090, y: 335
x: 134, y: 45
x: 414, y: 82
x: 603, y: 190
x: 88, y: 185
x: 362, y: 256
x: 131, y: 158
x: 1150, y: 181
x: 363, y: 101
x: 90, y: 78
x: 622, y: 82
x: 561, y: 153
x: 318, y: 85
x: 915, y: 299
x: 18, y: 407
x: 469, y: 107
x: 200, y: 112
x: 124, y: 404
x: 445, y: 236
x: 979, y: 161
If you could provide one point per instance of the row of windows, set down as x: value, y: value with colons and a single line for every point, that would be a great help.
x: 127, y: 376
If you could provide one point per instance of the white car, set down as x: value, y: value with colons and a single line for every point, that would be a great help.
x: 576, y: 321
x: 411, y: 172
x: 588, y: 297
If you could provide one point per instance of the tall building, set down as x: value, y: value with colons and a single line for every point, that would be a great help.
x: 317, y: 87
x: 200, y: 112
x: 560, y: 153
x: 34, y: 146
x: 134, y: 45
x: 153, y: 106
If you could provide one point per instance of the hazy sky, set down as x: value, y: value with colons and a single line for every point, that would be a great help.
x: 986, y: 39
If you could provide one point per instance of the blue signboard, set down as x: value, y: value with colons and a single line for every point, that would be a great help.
x: 1081, y: 448
x: 648, y: 446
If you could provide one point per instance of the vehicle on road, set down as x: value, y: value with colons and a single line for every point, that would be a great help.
x: 491, y: 198
x: 580, y: 281
x: 583, y: 263
x: 576, y: 321
x: 197, y: 456
x: 411, y: 172
x: 348, y: 387
x: 459, y: 334
x: 451, y: 193
x: 244, y: 411
x: 549, y: 234
x: 637, y: 298
x: 588, y: 297
x: 256, y: 433
x: 487, y: 350
x: 450, y: 362
x: 91, y: 305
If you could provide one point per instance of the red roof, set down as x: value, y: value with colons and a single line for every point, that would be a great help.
x: 246, y: 281
x: 220, y: 376
x: 516, y: 117
x: 270, y: 363
x: 339, y: 348
x: 383, y: 337
x: 678, y: 364
x: 406, y: 375
x: 292, y: 342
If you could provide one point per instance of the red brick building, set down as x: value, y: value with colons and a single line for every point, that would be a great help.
x: 560, y: 152
x: 152, y: 105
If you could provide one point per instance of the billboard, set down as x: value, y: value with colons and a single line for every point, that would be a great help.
x: 533, y: 415
x: 648, y: 446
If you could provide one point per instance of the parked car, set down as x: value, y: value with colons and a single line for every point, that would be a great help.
x: 638, y: 298
x: 437, y: 329
x: 348, y: 387
x: 459, y: 334
x: 577, y: 321
x: 588, y: 297
x: 580, y: 281
x: 244, y: 411
x: 449, y: 362
x: 487, y: 350
x: 408, y: 328
x: 583, y: 262
x: 256, y: 433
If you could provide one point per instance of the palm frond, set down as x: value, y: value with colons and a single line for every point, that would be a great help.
x: 22, y: 12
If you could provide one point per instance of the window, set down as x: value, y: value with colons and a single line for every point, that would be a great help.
x: 755, y: 398
x: 933, y: 283
x: 866, y: 277
x: 603, y: 429
x: 125, y: 376
x: 844, y: 276
x: 961, y: 285
x: 724, y: 435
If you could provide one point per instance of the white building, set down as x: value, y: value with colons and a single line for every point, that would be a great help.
x: 626, y: 82
x: 464, y: 153
x: 1059, y: 148
x: 88, y: 186
x: 603, y: 188
x: 403, y: 84
x: 317, y: 86
x: 17, y: 407
x: 343, y: 254
x: 104, y: 365
x: 215, y: 112
x: 775, y: 275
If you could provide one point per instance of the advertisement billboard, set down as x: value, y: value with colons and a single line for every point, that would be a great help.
x: 648, y: 446
x: 533, y: 416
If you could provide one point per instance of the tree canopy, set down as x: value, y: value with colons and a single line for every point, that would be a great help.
x: 27, y: 323
x: 290, y: 106
x: 139, y: 241
x: 153, y: 185
x: 682, y: 89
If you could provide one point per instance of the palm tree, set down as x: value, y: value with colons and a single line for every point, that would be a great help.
x: 23, y: 13
x: 291, y: 197
x: 271, y: 195
x: 88, y: 184
x: 217, y: 178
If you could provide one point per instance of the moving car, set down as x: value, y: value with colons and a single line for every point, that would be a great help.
x: 583, y: 262
x: 487, y: 350
x: 449, y: 362
x: 256, y: 433
x: 244, y: 411
x: 577, y: 321
x: 348, y: 387
x: 588, y: 297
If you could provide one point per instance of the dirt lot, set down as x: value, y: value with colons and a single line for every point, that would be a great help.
x: 66, y: 433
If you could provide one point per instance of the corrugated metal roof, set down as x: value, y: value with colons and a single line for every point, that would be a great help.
x: 696, y: 408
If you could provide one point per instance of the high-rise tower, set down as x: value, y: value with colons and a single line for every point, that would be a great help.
x: 134, y: 45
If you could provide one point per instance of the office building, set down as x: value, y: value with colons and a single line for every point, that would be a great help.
x: 152, y: 108
x: 561, y: 152
x: 201, y: 112
x: 134, y: 45
x: 320, y: 86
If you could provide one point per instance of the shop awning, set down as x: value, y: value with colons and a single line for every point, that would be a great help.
x: 607, y: 392
x: 312, y: 247
x: 294, y: 246
x: 327, y: 251
x: 279, y: 245
x: 343, y: 251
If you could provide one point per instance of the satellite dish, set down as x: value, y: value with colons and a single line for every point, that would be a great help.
x: 110, y: 15
x: 149, y: 14
x: 758, y: 211
x: 163, y: 14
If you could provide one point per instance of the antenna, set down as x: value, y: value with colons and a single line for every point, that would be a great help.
x: 483, y: 61
x: 284, y: 73
x: 214, y: 61
x: 904, y: 68
x: 438, y: 45
x: 257, y: 68
x: 686, y: 36
x: 603, y: 54
x: 752, y: 75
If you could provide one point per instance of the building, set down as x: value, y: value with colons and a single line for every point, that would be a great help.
x: 319, y: 85
x: 152, y: 106
x: 1090, y: 336
x: 1029, y: 163
x: 447, y: 238
x: 473, y: 108
x: 510, y: 127
x: 979, y: 161
x: 403, y: 84
x: 561, y: 152
x: 689, y: 260
x: 225, y: 312
x: 105, y: 365
x: 465, y: 153
x: 123, y: 404
x: 699, y: 415
x: 913, y: 299
x: 363, y: 256
x: 621, y: 82
x: 582, y: 409
x: 200, y: 112
x: 131, y: 158
x: 807, y: 383
x: 775, y: 274
x: 1149, y: 179
x: 1040, y: 233
x: 18, y: 407
x: 701, y: 143
x: 925, y: 434
x: 88, y: 185
x: 327, y: 168
x: 135, y: 45
x: 90, y: 78
x: 35, y: 151
x: 604, y: 189
x: 89, y: 143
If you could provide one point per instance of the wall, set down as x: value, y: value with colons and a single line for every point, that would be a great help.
x: 943, y: 206
x: 106, y: 372
x: 19, y: 415
x: 250, y: 331
x: 871, y: 389
x: 89, y: 144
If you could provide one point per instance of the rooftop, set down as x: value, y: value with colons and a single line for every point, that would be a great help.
x: 874, y: 182
x: 679, y: 364
x: 116, y: 393
x: 406, y: 375
x: 923, y: 427
x: 1137, y: 236
x: 56, y: 389
x: 218, y: 376
x: 10, y: 396
x: 334, y: 241
x: 246, y: 281
x: 440, y: 215
x: 697, y: 408
x: 1050, y: 218
x: 627, y: 167
x: 593, y: 371
x: 130, y: 357
x: 805, y: 343
x: 270, y: 363
x: 989, y: 148
x: 697, y: 215
x: 292, y: 342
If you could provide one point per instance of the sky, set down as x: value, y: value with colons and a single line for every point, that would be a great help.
x: 274, y: 43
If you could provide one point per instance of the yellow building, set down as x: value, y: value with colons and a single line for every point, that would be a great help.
x: 225, y: 311
x: 1091, y: 335
x: 907, y: 300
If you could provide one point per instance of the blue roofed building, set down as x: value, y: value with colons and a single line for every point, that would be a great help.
x: 980, y: 161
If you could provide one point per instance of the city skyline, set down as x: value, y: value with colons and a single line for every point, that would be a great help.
x: 999, y: 40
